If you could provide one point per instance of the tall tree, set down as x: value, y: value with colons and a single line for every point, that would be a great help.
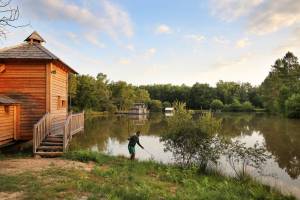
x: 282, y: 82
x: 201, y: 96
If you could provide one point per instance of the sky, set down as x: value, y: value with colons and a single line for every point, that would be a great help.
x: 164, y: 41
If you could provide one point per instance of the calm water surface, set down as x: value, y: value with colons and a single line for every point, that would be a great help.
x: 281, y: 137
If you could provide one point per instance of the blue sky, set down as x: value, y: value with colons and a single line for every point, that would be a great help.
x: 170, y: 41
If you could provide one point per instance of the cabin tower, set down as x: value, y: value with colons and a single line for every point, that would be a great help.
x: 33, y: 82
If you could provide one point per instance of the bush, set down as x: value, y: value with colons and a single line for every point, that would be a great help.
x: 241, y: 157
x: 193, y: 143
x: 166, y: 104
x: 216, y: 105
x: 247, y: 106
x: 292, y: 106
x: 155, y: 106
x: 235, y: 106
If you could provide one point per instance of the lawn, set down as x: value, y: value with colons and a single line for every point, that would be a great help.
x: 120, y: 178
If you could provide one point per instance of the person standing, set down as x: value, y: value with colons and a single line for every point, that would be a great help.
x: 133, y: 140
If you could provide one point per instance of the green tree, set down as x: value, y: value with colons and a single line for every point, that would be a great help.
x: 247, y: 106
x: 227, y: 91
x: 216, y: 104
x: 201, y: 96
x: 193, y: 143
x: 155, y: 106
x: 235, y: 106
x: 292, y: 105
x: 282, y: 82
x: 142, y: 95
x: 166, y: 104
x: 85, y: 95
x: 123, y: 94
x: 72, y: 88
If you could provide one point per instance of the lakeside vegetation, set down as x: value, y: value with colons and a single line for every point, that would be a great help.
x: 279, y: 93
x: 135, y: 180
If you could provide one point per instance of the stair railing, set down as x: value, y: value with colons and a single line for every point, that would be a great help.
x: 40, y: 131
x: 73, y: 125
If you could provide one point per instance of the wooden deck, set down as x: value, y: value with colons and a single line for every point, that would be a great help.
x: 50, y: 145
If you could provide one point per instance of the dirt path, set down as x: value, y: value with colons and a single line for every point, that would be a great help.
x: 15, y: 166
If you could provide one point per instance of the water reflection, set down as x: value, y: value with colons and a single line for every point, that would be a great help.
x: 100, y: 130
x: 281, y: 137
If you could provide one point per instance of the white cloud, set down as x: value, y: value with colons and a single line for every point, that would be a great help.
x: 233, y: 63
x: 196, y: 38
x: 130, y: 47
x: 291, y: 44
x: 275, y: 15
x: 229, y: 10
x: 163, y: 29
x: 105, y: 16
x: 68, y: 54
x: 221, y: 40
x: 93, y: 39
x: 150, y: 52
x: 263, y: 16
x: 242, y: 43
x: 72, y: 36
x: 124, y: 61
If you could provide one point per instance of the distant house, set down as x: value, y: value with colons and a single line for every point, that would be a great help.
x: 138, y: 109
x: 33, y: 82
x: 169, y: 111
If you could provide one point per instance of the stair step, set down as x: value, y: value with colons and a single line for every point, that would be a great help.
x: 53, y: 140
x: 52, y: 144
x: 49, y: 154
x: 59, y: 148
x: 56, y: 136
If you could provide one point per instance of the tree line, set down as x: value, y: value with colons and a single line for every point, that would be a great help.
x: 279, y: 93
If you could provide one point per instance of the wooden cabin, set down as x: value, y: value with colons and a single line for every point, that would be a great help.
x: 138, y: 109
x: 33, y: 82
x: 9, y: 120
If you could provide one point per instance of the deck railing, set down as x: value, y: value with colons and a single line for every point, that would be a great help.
x: 40, y: 131
x: 73, y: 125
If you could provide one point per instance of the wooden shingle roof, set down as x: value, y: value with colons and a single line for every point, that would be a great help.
x: 27, y: 51
x: 34, y: 37
x: 31, y: 50
x: 4, y: 100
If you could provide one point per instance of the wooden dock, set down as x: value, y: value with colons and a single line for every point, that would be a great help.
x: 50, y: 145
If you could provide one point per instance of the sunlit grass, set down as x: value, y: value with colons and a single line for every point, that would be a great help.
x: 120, y: 178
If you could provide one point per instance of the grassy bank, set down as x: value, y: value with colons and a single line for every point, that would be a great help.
x: 119, y: 178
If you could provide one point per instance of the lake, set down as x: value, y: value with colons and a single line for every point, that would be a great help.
x: 281, y: 137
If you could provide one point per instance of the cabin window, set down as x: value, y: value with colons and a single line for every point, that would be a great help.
x: 61, y: 103
x: 6, y: 109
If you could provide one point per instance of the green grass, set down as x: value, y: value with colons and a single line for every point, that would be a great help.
x: 15, y: 155
x: 119, y: 178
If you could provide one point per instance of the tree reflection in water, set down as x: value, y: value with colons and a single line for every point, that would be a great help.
x: 281, y: 136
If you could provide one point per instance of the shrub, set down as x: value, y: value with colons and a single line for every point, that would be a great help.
x: 240, y: 157
x: 193, y: 143
x: 155, y: 106
x: 247, y: 106
x: 216, y: 105
x: 166, y: 104
x: 292, y: 106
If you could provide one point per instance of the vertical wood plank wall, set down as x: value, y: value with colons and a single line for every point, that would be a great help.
x: 26, y: 83
x: 59, y: 90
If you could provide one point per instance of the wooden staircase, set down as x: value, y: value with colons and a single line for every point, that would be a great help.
x: 51, y: 146
x: 48, y: 145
